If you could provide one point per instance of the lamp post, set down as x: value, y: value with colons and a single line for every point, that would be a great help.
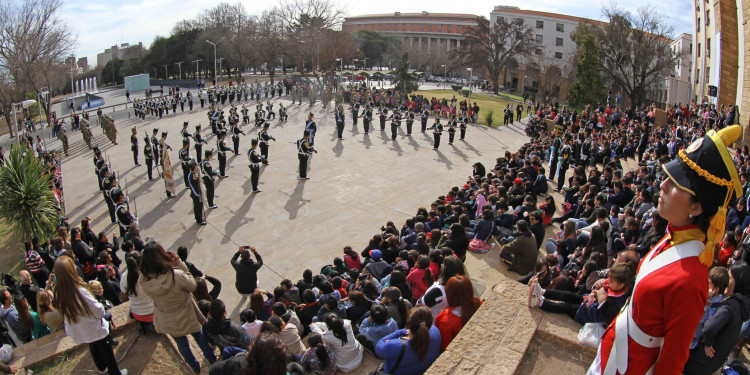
x: 197, y: 70
x: 445, y: 75
x: 166, y: 72
x: 469, y: 70
x: 341, y: 76
x: 214, y: 44
x: 523, y: 85
x: 179, y: 65
x: 220, y: 59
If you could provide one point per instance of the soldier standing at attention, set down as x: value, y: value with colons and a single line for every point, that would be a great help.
x: 124, y: 218
x: 464, y: 120
x: 409, y: 121
x: 155, y: 144
x: 451, y: 129
x: 437, y: 131
x: 263, y: 138
x: 424, y: 116
x: 383, y: 112
x: 199, y: 141
x: 148, y: 154
x: 304, y: 151
x: 185, y: 133
x: 367, y: 118
x: 355, y: 113
x: 185, y: 158
x: 395, y: 123
x: 254, y: 165
x: 208, y: 178
x: 340, y: 121
x: 221, y: 145
x: 63, y: 135
x: 236, y: 135
x: 195, y: 194
x: 133, y: 147
x: 311, y: 128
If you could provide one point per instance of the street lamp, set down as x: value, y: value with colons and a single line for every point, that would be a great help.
x: 197, y: 70
x: 445, y: 75
x: 469, y: 70
x: 179, y: 65
x: 220, y: 60
x: 166, y: 72
x: 214, y: 44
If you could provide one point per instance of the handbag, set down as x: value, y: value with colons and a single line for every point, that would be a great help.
x: 478, y: 246
x: 591, y: 334
x: 381, y: 369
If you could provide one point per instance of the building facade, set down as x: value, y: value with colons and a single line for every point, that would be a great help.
x: 123, y: 51
x: 678, y: 88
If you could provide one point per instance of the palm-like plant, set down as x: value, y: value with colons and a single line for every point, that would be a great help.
x: 27, y: 203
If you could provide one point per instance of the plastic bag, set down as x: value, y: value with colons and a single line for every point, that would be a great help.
x: 591, y: 334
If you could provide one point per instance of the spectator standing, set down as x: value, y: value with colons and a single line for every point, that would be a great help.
x: 83, y: 316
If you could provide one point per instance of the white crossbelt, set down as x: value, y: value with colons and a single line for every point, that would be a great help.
x: 625, y: 326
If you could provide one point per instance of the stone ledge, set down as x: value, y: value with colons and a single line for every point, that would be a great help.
x: 57, y: 343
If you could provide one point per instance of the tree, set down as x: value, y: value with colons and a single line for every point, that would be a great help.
x: 271, y: 43
x: 9, y: 94
x: 377, y: 47
x: 34, y: 41
x: 403, y: 81
x: 634, y: 50
x: 589, y: 87
x: 27, y: 203
x: 491, y: 46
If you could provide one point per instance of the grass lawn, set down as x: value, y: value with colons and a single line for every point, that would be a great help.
x: 486, y: 103
x: 11, y: 251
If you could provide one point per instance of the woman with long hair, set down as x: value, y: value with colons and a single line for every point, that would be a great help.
x: 458, y: 241
x: 461, y: 307
x: 338, y: 334
x: 672, y: 281
x: 434, y: 297
x: 261, y: 307
x: 29, y: 318
x: 166, y: 279
x: 319, y: 358
x: 141, y: 305
x: 398, y: 280
x: 420, y: 339
x: 420, y: 278
x: 397, y: 306
x: 83, y: 316
x: 47, y: 313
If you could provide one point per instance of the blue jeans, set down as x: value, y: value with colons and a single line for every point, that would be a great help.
x: 184, y: 348
x: 231, y: 351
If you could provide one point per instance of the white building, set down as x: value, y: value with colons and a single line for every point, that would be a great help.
x: 679, y: 88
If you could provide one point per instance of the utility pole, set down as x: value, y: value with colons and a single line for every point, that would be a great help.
x: 197, y: 70
x: 179, y: 65
x: 166, y: 73
x: 220, y: 58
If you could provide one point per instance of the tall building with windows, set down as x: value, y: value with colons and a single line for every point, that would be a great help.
x: 123, y: 51
x: 716, y: 56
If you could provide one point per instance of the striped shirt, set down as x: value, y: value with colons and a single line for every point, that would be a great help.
x: 34, y: 262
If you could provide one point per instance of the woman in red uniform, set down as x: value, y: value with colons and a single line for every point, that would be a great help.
x: 653, y: 332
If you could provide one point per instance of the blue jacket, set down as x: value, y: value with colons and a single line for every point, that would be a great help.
x: 375, y: 332
x: 483, y: 229
x: 389, y: 348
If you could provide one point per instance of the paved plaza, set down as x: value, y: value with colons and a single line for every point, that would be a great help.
x: 356, y: 186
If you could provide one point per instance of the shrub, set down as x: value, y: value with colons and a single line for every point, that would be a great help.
x: 489, y: 118
x: 456, y: 87
x: 465, y: 92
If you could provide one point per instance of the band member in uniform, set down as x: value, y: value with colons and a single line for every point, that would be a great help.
x: 185, y: 133
x: 451, y: 129
x: 437, y: 131
x: 195, y: 193
x: 355, y: 113
x: 236, y: 136
x: 208, y: 178
x: 199, y: 142
x: 304, y: 151
x: 221, y: 146
x: 263, y: 138
x: 424, y: 116
x: 383, y: 112
x: 108, y: 182
x: 340, y: 121
x: 185, y: 159
x: 254, y: 165
x: 464, y: 120
x: 282, y: 113
x: 155, y: 145
x: 652, y: 333
x: 148, y: 154
x: 311, y: 128
x: 245, y: 116
x: 395, y: 123
x: 134, y: 147
x: 409, y: 121
x: 367, y: 118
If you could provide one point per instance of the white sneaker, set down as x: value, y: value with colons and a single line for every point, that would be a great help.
x: 538, y: 291
x: 123, y: 371
x: 535, y: 294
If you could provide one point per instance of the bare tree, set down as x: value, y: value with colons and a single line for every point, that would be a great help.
x: 9, y: 94
x: 271, y: 42
x: 551, y: 75
x: 490, y: 46
x: 33, y: 41
x: 635, y: 51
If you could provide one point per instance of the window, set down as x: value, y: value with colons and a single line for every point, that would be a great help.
x: 698, y: 25
x: 539, y: 38
x: 708, y: 18
x: 708, y: 48
x: 558, y: 55
x: 699, y: 50
x: 698, y: 74
x: 560, y: 27
x: 539, y: 24
x: 538, y: 51
x: 519, y: 21
x: 502, y: 19
x: 559, y: 42
x: 708, y: 73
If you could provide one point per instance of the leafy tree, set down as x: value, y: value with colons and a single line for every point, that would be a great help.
x: 403, y: 80
x: 492, y: 46
x: 634, y: 50
x: 111, y: 72
x: 589, y: 88
x: 377, y: 47
x: 27, y: 203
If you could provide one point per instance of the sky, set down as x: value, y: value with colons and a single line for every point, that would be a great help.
x: 100, y: 24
